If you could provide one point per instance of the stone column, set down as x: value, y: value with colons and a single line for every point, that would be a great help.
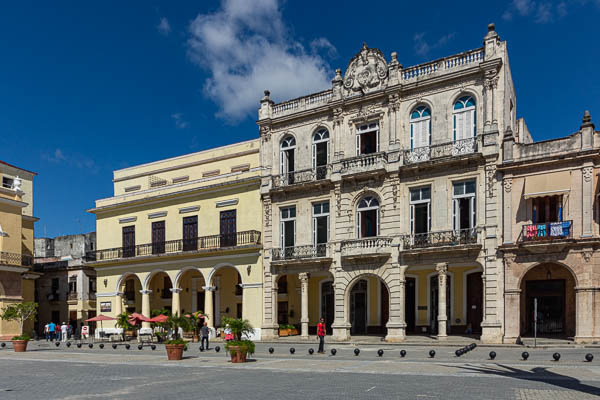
x: 587, y: 218
x: 146, y: 306
x: 304, y: 311
x: 119, y: 304
x: 512, y: 330
x: 442, y: 270
x: 208, y: 305
x: 274, y: 306
x: 175, y: 302
x: 507, y: 224
x: 585, y: 313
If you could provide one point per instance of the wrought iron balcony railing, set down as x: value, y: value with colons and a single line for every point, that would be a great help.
x: 213, y: 242
x: 440, y: 238
x: 72, y: 296
x: 364, y: 163
x: 450, y: 149
x: 299, y: 252
x: 15, y: 259
x: 304, y: 176
x: 546, y: 231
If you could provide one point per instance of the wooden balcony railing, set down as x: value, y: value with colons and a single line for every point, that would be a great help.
x: 16, y: 259
x: 440, y: 238
x: 546, y: 231
x: 299, y: 252
x: 177, y: 246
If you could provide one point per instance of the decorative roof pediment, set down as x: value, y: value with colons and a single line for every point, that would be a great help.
x: 367, y: 71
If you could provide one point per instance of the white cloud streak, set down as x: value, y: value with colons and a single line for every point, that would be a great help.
x: 180, y: 123
x: 73, y: 160
x: 246, y: 48
x: 422, y: 48
x: 163, y: 27
x: 543, y: 12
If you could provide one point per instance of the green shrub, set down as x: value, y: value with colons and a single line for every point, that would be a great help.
x: 21, y: 337
x: 246, y: 346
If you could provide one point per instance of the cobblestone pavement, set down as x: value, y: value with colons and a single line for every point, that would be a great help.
x: 48, y: 372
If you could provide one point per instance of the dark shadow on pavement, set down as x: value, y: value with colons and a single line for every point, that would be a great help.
x: 538, y: 374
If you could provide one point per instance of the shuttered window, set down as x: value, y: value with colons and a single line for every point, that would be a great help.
x: 420, y: 127
x: 464, y: 118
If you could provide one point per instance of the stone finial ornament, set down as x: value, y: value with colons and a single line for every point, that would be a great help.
x: 587, y: 120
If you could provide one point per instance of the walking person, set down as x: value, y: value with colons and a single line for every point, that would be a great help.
x: 46, y: 332
x: 321, y: 335
x: 205, y: 332
x: 51, y: 330
x: 64, y: 329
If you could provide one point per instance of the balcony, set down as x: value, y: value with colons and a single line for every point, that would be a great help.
x: 441, y: 239
x: 72, y: 296
x: 301, y: 253
x: 364, y: 164
x: 302, y: 178
x: 201, y: 244
x: 15, y: 259
x: 370, y: 247
x: 546, y: 232
x: 438, y: 151
x: 53, y: 296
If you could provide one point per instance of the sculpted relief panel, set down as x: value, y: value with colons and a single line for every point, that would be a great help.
x: 367, y: 71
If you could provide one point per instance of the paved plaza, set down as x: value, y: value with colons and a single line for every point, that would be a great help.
x: 83, y: 373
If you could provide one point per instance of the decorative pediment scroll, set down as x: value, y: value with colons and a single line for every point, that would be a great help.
x: 366, y: 72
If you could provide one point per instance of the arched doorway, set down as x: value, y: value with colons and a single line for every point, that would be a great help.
x: 192, y: 297
x: 130, y: 285
x: 553, y: 286
x: 327, y: 311
x: 369, y: 306
x: 228, y: 295
x: 161, y: 296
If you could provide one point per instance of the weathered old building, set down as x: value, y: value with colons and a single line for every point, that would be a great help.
x: 380, y: 197
x: 550, y: 237
x: 66, y: 290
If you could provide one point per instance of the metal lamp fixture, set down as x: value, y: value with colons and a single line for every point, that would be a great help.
x: 249, y: 269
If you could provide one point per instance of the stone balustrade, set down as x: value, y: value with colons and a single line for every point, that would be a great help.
x: 445, y: 64
x: 376, y: 246
x: 364, y: 163
x: 302, y: 103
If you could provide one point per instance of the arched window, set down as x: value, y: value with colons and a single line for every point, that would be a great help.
x: 287, y: 159
x: 320, y: 152
x: 367, y: 217
x: 464, y: 118
x: 420, y: 127
x: 367, y: 138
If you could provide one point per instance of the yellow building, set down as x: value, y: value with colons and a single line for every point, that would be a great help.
x: 16, y: 242
x: 183, y: 234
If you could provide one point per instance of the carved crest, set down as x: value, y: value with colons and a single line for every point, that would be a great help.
x: 366, y: 72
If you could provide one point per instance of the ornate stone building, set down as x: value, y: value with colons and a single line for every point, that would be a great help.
x: 380, y: 197
x: 550, y: 238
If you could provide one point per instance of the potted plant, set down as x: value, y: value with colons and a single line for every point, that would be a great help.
x: 176, y: 345
x: 239, y: 348
x: 294, y: 330
x: 195, y: 324
x: 123, y: 322
x: 19, y: 312
x: 284, y: 330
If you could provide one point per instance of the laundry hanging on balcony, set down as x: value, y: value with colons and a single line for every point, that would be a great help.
x: 556, y: 229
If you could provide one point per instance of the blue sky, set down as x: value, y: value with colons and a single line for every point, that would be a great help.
x: 87, y: 88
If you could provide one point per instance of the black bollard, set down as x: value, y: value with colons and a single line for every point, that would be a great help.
x: 311, y: 351
x: 356, y: 351
x: 114, y: 346
x: 525, y: 355
x: 556, y: 356
x: 292, y: 350
x: 127, y: 346
x: 589, y: 357
x: 271, y: 350
x: 3, y: 345
x: 431, y: 353
x: 402, y: 353
x: 380, y: 352
x: 185, y: 348
x: 140, y: 347
x: 68, y: 344
x: 57, y: 344
x: 217, y: 348
x: 90, y: 345
x: 333, y: 352
x: 201, y: 349
x: 101, y: 345
x: 458, y: 353
x: 153, y: 347
x: 78, y: 345
x: 474, y: 345
x: 492, y: 355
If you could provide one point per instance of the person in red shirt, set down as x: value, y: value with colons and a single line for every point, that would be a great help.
x: 321, y: 335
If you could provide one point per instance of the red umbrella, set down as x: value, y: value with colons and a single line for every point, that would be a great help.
x: 136, y: 318
x: 159, y: 319
x: 100, y: 318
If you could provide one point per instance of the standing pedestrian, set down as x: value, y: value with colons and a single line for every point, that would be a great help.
x: 64, y: 329
x: 70, y: 331
x: 52, y: 330
x: 47, y: 332
x: 205, y: 332
x: 321, y: 335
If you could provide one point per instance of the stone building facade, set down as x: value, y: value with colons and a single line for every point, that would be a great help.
x: 380, y: 197
x: 66, y: 290
x: 16, y: 242
x: 550, y: 236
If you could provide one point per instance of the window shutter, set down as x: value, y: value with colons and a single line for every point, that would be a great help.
x: 468, y: 129
x: 314, y: 230
x: 474, y: 214
x: 282, y: 234
x: 314, y: 156
x: 455, y: 214
x: 460, y: 126
x: 412, y: 135
x: 358, y: 224
x: 358, y: 145
x: 425, y: 133
x: 281, y: 163
x: 412, y: 219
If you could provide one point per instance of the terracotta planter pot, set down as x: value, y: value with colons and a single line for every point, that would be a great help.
x: 20, y: 346
x: 294, y: 332
x: 174, y: 351
x: 237, y: 355
x: 284, y: 332
x: 195, y: 339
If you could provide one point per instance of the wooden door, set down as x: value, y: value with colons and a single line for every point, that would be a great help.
x: 409, y: 304
x: 190, y: 233
x: 327, y: 305
x: 158, y: 237
x: 228, y: 228
x: 385, y: 307
x: 475, y: 301
x: 129, y: 241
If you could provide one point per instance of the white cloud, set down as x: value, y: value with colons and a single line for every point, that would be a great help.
x: 542, y: 12
x: 422, y: 48
x: 72, y: 160
x: 163, y: 27
x: 246, y: 48
x: 180, y: 123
